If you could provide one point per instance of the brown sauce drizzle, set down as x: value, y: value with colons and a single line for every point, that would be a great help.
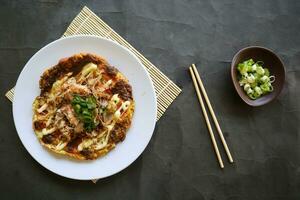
x: 123, y: 89
x: 39, y: 125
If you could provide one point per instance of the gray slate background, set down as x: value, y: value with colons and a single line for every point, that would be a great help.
x: 179, y: 162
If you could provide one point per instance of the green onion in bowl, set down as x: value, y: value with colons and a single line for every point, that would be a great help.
x: 254, y: 78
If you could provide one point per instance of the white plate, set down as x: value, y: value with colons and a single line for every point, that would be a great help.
x: 139, y: 134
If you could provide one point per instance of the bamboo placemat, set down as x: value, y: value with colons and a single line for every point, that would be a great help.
x: 88, y: 23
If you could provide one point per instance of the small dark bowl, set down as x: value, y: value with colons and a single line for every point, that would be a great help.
x: 271, y: 61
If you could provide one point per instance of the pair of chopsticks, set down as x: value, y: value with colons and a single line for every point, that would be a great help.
x: 197, y: 81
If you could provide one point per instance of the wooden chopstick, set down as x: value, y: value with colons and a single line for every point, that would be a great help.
x: 207, y: 119
x: 212, y: 113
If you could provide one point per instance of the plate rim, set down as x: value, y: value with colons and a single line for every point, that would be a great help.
x: 17, y: 85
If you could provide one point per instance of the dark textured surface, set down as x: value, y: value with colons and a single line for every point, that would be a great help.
x: 179, y: 162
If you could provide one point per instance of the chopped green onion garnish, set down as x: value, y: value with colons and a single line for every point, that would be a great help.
x: 84, y: 108
x: 254, y: 78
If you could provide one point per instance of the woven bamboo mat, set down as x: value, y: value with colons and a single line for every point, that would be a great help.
x: 88, y: 23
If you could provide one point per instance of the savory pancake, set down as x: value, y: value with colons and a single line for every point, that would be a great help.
x: 85, y: 107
